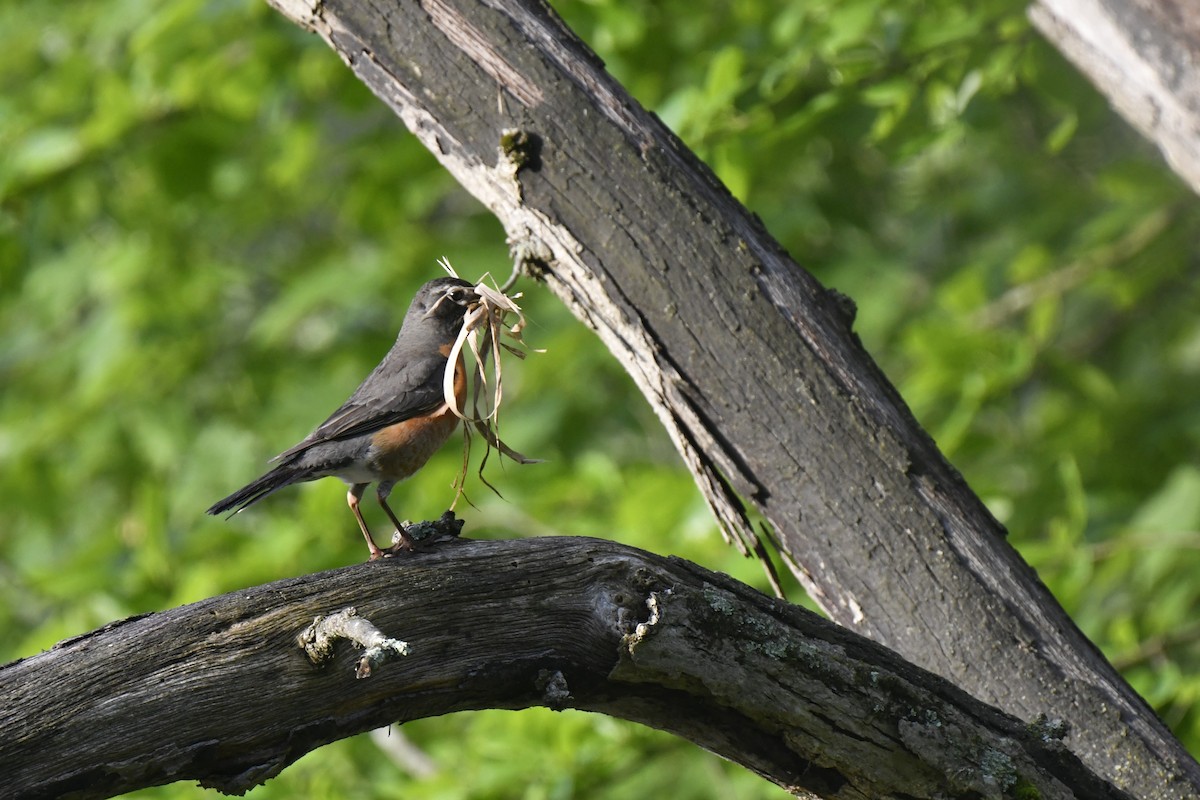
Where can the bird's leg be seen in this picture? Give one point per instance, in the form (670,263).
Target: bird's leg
(382,492)
(352,498)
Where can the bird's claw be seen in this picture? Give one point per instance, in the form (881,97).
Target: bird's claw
(411,537)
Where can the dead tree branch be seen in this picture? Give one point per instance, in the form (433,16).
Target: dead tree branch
(1144,56)
(221,692)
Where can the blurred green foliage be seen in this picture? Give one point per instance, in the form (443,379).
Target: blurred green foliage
(209,231)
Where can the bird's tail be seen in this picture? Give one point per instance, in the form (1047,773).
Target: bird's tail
(283,475)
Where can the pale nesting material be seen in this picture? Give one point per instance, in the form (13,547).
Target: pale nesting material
(484,331)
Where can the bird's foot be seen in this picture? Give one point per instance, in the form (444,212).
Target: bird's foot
(401,542)
(414,536)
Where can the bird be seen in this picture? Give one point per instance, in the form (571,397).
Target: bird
(393,422)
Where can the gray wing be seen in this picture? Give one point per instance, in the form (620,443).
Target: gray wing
(386,397)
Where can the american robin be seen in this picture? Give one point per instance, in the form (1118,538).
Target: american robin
(392,423)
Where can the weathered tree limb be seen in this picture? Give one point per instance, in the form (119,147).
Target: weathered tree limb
(221,691)
(749,362)
(1144,56)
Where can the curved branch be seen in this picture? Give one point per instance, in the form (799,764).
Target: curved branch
(221,692)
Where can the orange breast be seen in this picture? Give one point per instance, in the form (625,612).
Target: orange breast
(399,450)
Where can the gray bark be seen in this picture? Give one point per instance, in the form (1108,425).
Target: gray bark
(222,692)
(1144,56)
(748,361)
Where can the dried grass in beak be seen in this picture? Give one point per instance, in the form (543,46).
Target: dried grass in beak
(486,332)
